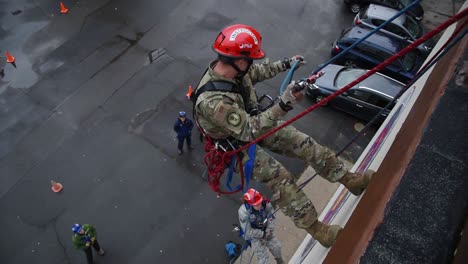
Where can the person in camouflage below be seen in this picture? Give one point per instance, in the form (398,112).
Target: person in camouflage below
(225,107)
(257,223)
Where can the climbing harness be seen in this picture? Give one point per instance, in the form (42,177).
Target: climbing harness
(217,159)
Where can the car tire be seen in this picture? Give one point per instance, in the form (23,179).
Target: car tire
(319,98)
(350,64)
(355,8)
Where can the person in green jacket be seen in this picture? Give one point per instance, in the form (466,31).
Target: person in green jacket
(84,236)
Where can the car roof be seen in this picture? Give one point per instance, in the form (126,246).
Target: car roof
(390,44)
(377,82)
(385,13)
(382,84)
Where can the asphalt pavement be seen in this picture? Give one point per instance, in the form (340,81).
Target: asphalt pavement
(91,105)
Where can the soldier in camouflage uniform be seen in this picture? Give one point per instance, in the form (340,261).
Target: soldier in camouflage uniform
(258,223)
(230,114)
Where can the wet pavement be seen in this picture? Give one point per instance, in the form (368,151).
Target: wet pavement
(91,105)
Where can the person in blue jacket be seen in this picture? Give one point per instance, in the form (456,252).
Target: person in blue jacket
(183,127)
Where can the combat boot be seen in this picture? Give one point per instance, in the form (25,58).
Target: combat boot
(323,233)
(279,261)
(355,182)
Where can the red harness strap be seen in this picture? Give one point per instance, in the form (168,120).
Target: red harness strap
(216,161)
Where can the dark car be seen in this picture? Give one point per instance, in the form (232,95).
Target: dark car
(365,100)
(374,50)
(403,27)
(417,12)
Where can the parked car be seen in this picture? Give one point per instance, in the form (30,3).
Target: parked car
(403,27)
(365,100)
(417,12)
(374,50)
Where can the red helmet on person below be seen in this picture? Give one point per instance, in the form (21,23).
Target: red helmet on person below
(253,197)
(239,41)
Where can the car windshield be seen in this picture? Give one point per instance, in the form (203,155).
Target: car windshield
(413,27)
(409,60)
(347,75)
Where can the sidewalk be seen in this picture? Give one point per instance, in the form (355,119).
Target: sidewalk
(436,12)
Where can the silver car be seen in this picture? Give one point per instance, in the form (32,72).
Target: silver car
(403,27)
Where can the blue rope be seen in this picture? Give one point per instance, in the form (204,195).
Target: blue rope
(288,78)
(249,166)
(400,93)
(229,175)
(339,55)
(248,170)
(423,70)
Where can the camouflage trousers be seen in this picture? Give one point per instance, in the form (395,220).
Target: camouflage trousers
(261,246)
(292,143)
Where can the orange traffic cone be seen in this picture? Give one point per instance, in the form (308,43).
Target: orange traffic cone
(56,186)
(63,9)
(10,59)
(190,92)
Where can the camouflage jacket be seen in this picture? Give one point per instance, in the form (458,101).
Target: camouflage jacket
(223,114)
(84,241)
(252,221)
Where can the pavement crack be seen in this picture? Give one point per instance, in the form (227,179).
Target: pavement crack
(120,87)
(38,226)
(85,18)
(131,42)
(42,9)
(59,241)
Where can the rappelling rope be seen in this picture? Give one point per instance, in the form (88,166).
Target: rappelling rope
(379,67)
(440,53)
(213,177)
(216,161)
(366,75)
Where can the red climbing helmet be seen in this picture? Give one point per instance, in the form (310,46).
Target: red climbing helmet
(239,41)
(253,197)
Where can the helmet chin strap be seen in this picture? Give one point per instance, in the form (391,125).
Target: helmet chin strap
(241,73)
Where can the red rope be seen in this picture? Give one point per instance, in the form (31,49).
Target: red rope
(366,75)
(455,33)
(217,160)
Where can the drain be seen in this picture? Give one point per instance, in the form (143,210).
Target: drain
(156,54)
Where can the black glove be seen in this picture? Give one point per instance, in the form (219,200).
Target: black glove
(289,62)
